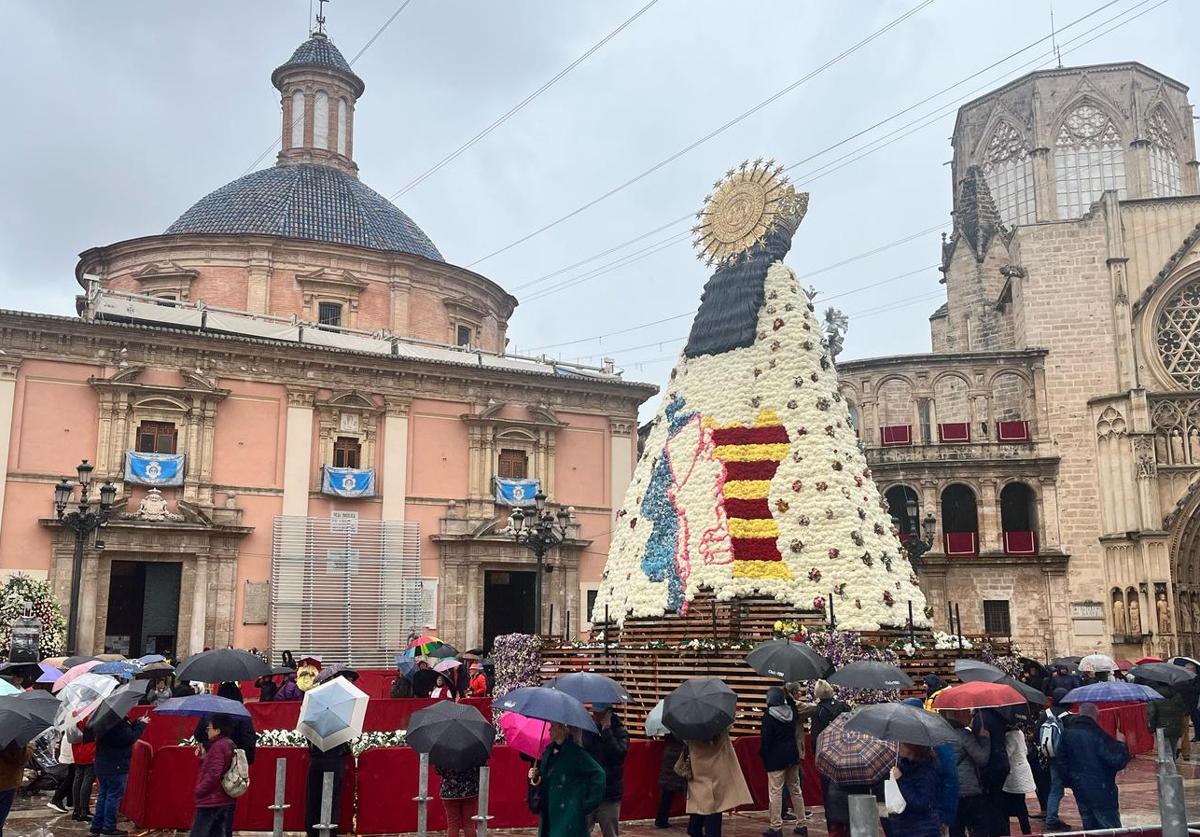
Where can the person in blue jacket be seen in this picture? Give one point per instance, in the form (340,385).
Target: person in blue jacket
(916,773)
(1090,759)
(947,767)
(114,752)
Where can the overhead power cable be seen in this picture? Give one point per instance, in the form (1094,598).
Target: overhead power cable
(714,133)
(511,112)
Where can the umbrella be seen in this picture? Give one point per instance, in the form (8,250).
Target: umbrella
(1111,691)
(978,695)
(654,721)
(444,651)
(525,735)
(1072,663)
(447,665)
(49,673)
(25,716)
(787,660)
(897,722)
(124,669)
(73,672)
(7,688)
(971,671)
(332,713)
(147,659)
(71,662)
(154,670)
(1175,660)
(199,706)
(221,665)
(81,696)
(1162,673)
(1097,662)
(548,705)
(699,709)
(455,735)
(20,669)
(1123,664)
(113,709)
(1030,694)
(423,646)
(853,758)
(588,687)
(870,674)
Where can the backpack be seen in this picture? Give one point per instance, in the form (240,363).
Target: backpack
(236,780)
(1049,735)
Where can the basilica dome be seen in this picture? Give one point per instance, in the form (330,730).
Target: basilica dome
(307,201)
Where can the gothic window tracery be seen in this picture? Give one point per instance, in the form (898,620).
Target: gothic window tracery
(1089,159)
(1009,173)
(1177,338)
(1164,162)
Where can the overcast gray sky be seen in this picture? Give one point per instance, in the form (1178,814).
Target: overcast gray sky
(128,112)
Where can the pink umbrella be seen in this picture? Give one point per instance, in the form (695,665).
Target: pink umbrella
(72,673)
(447,665)
(525,735)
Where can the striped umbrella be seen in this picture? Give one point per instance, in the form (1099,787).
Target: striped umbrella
(853,758)
(1111,691)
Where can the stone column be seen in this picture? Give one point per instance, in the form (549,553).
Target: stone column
(989,515)
(297,464)
(1046,202)
(395,458)
(8,396)
(1048,517)
(621,463)
(199,604)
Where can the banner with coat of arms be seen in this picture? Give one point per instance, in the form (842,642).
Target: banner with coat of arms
(515,492)
(348,482)
(154,468)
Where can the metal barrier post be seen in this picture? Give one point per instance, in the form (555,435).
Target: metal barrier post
(280,806)
(864,816)
(326,825)
(422,798)
(1170,790)
(482,817)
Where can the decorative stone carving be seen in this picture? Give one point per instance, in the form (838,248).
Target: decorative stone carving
(1144,458)
(1111,423)
(1135,615)
(1120,625)
(153,507)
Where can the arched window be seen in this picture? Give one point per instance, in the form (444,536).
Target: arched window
(905,511)
(321,121)
(960,520)
(1177,334)
(341,127)
(1089,159)
(1164,162)
(1018,519)
(297,134)
(1009,173)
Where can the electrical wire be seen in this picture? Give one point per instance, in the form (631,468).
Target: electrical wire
(421,178)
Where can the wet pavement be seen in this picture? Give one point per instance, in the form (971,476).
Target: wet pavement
(1139,806)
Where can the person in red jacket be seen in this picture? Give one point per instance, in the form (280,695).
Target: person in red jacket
(214,807)
(479,686)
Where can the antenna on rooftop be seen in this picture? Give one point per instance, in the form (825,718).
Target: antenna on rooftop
(321,17)
(1053,36)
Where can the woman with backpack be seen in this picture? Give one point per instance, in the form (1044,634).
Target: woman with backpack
(214,807)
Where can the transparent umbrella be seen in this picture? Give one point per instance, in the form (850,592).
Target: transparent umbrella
(332,713)
(79,698)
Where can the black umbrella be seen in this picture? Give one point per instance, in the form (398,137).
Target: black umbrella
(455,735)
(972,671)
(25,716)
(221,665)
(113,709)
(547,705)
(898,722)
(1072,663)
(1030,694)
(699,709)
(870,674)
(1168,673)
(20,670)
(71,662)
(589,687)
(787,660)
(444,650)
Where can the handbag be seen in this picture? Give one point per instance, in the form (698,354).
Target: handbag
(683,765)
(893,800)
(236,780)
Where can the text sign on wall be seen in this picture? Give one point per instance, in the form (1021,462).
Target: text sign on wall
(1087,610)
(343,521)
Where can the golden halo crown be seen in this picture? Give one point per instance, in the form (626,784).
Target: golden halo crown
(745,205)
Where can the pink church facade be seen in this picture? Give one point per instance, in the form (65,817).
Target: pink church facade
(338,404)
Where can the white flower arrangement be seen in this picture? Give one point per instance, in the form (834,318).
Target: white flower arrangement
(944,641)
(830,525)
(292,738)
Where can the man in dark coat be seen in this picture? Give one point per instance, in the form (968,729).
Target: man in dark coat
(114,751)
(321,762)
(1062,679)
(424,680)
(1090,760)
(993,728)
(609,749)
(669,782)
(780,754)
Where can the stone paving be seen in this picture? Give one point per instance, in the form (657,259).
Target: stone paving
(1139,806)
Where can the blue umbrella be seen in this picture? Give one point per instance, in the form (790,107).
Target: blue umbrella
(198,706)
(589,687)
(124,669)
(49,673)
(150,658)
(548,705)
(332,713)
(1111,691)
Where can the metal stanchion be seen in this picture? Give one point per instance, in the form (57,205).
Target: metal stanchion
(1170,790)
(864,815)
(327,823)
(280,806)
(422,798)
(482,817)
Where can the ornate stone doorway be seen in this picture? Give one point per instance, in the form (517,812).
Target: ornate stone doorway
(143,608)
(507,604)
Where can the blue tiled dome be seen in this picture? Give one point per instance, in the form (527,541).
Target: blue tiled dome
(310,201)
(318,51)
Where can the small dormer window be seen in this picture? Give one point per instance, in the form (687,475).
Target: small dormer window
(463,335)
(329,314)
(156,437)
(347,452)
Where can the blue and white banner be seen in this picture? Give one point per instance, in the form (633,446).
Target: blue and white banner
(153,468)
(348,482)
(515,492)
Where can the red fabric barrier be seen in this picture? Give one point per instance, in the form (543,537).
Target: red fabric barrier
(1020,543)
(895,434)
(746,748)
(1012,431)
(133,804)
(954,432)
(961,543)
(1131,720)
(164,730)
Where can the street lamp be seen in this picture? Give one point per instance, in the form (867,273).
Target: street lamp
(544,530)
(83,520)
(918,546)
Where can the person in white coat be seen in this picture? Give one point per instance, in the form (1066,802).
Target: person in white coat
(1020,778)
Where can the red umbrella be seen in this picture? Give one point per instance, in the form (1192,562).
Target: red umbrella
(1144,660)
(1124,665)
(978,695)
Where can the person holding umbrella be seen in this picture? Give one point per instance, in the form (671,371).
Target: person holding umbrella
(214,807)
(1167,714)
(781,757)
(1091,759)
(114,751)
(916,775)
(970,754)
(669,782)
(608,747)
(571,785)
(425,679)
(458,740)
